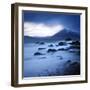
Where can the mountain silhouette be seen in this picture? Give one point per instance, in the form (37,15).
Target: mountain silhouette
(62,35)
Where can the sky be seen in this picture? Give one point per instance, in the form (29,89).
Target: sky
(44,24)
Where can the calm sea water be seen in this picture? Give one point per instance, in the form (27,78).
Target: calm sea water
(63,62)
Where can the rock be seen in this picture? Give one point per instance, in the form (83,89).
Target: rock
(51,45)
(42,43)
(62,49)
(38,53)
(69,61)
(57,45)
(51,50)
(74,47)
(75,43)
(72,69)
(41,48)
(61,43)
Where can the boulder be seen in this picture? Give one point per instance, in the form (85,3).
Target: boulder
(75,43)
(51,45)
(61,43)
(51,50)
(41,48)
(38,53)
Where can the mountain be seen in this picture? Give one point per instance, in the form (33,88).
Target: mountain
(62,35)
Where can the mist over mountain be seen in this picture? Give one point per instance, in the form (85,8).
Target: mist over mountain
(62,35)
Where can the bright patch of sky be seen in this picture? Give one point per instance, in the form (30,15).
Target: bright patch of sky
(41,30)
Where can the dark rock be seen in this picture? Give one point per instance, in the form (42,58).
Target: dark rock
(74,47)
(42,43)
(38,53)
(62,49)
(41,48)
(75,43)
(57,45)
(61,43)
(69,61)
(76,52)
(51,50)
(72,69)
(51,45)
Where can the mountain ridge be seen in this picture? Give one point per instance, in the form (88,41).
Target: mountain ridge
(62,35)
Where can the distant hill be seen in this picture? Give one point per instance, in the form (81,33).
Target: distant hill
(62,35)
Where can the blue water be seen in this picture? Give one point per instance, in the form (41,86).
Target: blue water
(58,63)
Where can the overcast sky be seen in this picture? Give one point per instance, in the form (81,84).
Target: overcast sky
(43,24)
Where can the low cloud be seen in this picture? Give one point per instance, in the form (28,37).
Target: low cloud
(41,29)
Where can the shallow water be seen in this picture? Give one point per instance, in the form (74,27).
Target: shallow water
(48,64)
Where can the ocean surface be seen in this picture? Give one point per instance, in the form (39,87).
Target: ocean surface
(51,59)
